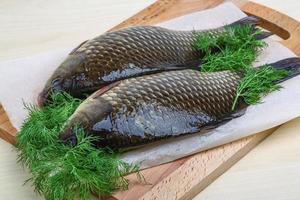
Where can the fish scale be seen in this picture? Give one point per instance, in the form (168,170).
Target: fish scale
(137,40)
(144,109)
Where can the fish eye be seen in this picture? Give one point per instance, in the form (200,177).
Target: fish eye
(68,84)
(55,82)
(56,85)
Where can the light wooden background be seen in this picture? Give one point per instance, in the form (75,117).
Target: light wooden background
(270,171)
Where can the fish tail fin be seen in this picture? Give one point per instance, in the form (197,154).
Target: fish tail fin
(263,35)
(291,65)
(252,21)
(249,20)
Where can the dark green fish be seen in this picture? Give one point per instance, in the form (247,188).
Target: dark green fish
(142,110)
(126,53)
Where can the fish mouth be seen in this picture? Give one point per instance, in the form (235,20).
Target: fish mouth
(45,96)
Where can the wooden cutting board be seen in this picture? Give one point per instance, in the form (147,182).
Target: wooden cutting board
(184,178)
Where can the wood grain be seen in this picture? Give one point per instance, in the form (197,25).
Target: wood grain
(7,131)
(184,177)
(269,172)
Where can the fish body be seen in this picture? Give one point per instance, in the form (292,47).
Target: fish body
(126,53)
(141,110)
(145,109)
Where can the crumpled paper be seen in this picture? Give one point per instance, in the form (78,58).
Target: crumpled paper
(21,80)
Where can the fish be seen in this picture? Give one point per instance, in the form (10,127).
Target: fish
(134,112)
(126,53)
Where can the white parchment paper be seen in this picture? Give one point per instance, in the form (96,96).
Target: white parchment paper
(21,80)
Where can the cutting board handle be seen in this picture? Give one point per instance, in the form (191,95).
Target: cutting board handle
(278,23)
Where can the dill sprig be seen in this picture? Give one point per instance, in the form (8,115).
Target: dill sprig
(257,83)
(62,172)
(236,49)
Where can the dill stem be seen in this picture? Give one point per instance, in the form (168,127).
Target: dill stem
(235,101)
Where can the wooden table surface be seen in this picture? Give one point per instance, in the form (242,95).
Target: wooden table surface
(270,171)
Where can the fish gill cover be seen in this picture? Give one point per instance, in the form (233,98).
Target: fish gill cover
(63,172)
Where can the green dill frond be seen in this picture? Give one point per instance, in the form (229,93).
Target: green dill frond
(228,59)
(258,82)
(62,172)
(234,49)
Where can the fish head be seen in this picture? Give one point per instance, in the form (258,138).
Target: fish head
(90,113)
(64,78)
